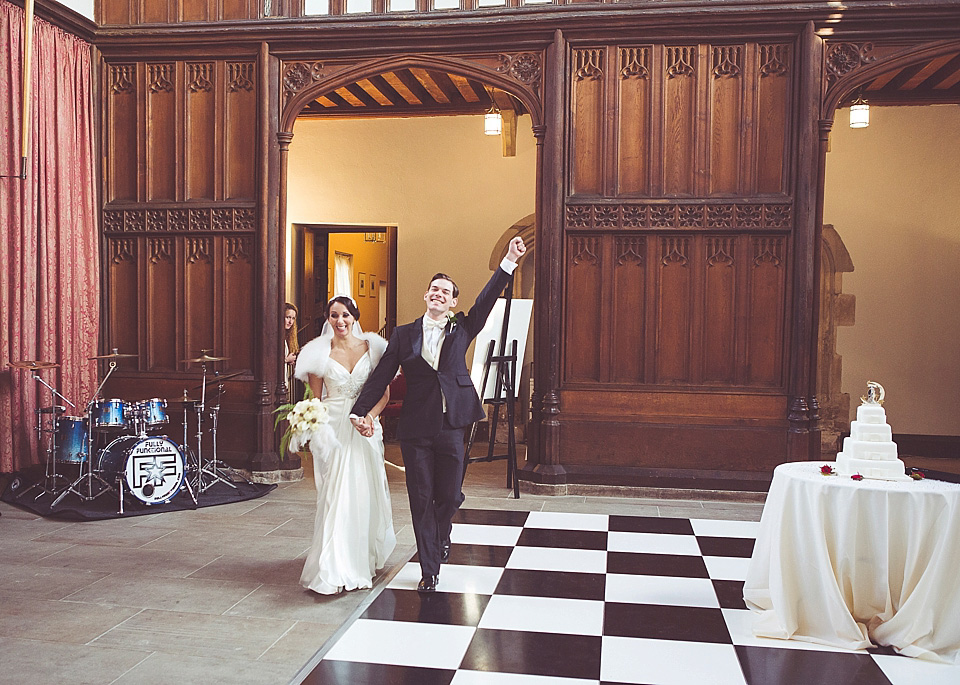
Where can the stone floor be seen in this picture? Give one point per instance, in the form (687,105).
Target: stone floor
(211,596)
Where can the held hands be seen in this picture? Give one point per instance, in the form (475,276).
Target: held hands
(364,426)
(517,248)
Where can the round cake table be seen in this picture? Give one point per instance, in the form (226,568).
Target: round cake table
(849,563)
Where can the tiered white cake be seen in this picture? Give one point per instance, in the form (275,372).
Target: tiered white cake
(870,449)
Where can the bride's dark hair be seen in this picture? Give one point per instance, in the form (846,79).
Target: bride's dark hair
(346,302)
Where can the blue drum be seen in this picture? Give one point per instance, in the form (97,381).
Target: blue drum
(72,444)
(110,414)
(154,412)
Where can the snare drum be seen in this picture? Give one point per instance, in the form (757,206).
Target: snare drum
(110,414)
(71,435)
(151,467)
(154,412)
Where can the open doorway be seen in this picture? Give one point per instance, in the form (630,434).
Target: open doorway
(358,261)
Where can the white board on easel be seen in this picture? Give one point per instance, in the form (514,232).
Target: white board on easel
(517,329)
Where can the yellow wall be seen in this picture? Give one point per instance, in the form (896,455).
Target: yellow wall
(892,194)
(445,185)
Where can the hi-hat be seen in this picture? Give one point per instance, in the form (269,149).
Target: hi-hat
(186,399)
(203,358)
(31,364)
(218,379)
(113,355)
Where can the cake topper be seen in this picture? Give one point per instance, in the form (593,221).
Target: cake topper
(874,393)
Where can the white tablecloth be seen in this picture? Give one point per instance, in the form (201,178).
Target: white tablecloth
(843,563)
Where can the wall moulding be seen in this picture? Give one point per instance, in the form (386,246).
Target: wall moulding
(180,220)
(750,216)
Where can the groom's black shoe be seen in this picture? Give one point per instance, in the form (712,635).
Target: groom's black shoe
(444,551)
(428,584)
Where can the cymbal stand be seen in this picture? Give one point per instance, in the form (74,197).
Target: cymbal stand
(213,468)
(74,487)
(49,484)
(186,449)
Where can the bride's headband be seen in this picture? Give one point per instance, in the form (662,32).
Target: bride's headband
(347,297)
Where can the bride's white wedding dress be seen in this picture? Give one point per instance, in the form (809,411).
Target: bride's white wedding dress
(353,533)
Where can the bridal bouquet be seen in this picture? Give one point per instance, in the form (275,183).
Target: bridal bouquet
(309,421)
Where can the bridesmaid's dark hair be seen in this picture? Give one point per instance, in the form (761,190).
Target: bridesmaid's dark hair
(346,302)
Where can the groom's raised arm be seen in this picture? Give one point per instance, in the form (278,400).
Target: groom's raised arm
(378,381)
(477,316)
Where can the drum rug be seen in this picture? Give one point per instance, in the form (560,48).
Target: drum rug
(24,489)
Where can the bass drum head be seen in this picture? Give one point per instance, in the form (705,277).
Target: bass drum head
(151,467)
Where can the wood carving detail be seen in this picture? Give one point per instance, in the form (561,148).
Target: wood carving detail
(525,67)
(680,61)
(160,77)
(633,63)
(216,219)
(674,251)
(200,76)
(720,251)
(161,249)
(630,248)
(298,75)
(678,216)
(774,60)
(198,249)
(121,78)
(240,75)
(585,249)
(767,249)
(123,249)
(844,58)
(727,61)
(239,248)
(588,64)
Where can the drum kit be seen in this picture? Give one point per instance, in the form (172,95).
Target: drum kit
(116,445)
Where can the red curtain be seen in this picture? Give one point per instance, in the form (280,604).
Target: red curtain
(49,258)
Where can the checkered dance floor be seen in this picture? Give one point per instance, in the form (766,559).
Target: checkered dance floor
(570,599)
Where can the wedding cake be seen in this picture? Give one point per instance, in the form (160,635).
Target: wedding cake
(870,449)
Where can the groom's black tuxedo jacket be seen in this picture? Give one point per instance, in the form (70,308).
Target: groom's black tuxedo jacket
(422,412)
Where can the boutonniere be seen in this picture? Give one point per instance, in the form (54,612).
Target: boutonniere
(827,470)
(451,322)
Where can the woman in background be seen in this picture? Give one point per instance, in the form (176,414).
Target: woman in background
(291,348)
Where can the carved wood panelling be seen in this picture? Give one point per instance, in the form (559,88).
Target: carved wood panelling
(726,120)
(686,216)
(680,120)
(585,308)
(766,286)
(190,126)
(588,106)
(677,310)
(170,295)
(179,220)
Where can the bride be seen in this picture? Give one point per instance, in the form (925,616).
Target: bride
(353,532)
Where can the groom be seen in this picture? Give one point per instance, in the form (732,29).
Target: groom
(440,403)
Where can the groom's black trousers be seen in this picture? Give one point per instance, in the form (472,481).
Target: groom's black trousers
(434,475)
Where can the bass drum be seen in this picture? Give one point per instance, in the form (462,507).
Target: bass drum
(151,467)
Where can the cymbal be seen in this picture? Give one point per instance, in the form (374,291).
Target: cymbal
(205,358)
(114,355)
(31,364)
(186,399)
(218,379)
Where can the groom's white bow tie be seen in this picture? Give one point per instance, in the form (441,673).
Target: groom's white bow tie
(429,323)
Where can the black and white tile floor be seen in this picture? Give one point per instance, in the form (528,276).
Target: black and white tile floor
(572,599)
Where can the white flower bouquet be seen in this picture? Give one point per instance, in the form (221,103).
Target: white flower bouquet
(309,421)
